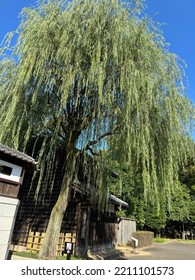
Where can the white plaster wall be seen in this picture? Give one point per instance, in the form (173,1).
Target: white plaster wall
(8,211)
(16,172)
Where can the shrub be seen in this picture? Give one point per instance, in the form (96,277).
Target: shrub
(144,238)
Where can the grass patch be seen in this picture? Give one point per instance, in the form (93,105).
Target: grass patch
(24,254)
(160,240)
(186,240)
(164,240)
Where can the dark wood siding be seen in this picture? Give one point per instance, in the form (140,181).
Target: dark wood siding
(34,214)
(8,189)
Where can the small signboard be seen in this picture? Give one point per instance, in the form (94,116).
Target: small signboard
(68,249)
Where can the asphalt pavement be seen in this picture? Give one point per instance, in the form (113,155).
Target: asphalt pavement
(174,250)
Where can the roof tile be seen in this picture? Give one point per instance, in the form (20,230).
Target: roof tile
(17,154)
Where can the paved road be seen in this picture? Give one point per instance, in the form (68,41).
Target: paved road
(167,251)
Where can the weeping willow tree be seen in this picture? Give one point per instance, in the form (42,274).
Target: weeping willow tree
(88,75)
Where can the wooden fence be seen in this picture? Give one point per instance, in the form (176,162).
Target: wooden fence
(126,227)
(35,240)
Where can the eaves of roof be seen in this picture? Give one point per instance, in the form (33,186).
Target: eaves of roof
(118,201)
(17,154)
(83,188)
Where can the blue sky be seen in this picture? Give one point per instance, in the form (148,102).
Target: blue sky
(179,31)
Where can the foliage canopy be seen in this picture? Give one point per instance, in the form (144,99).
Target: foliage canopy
(86,71)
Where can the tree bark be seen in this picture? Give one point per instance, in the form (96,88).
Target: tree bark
(48,248)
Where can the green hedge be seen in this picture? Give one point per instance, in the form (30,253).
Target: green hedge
(144,238)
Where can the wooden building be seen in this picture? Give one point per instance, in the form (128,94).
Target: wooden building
(13,165)
(83,225)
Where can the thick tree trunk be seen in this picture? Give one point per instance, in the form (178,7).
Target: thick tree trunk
(48,248)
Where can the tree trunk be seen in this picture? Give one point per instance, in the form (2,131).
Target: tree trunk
(48,248)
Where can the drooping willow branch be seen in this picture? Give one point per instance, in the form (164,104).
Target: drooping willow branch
(78,69)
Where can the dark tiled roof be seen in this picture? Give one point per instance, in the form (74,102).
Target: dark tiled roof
(17,154)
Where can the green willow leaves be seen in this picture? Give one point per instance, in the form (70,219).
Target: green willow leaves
(96,71)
